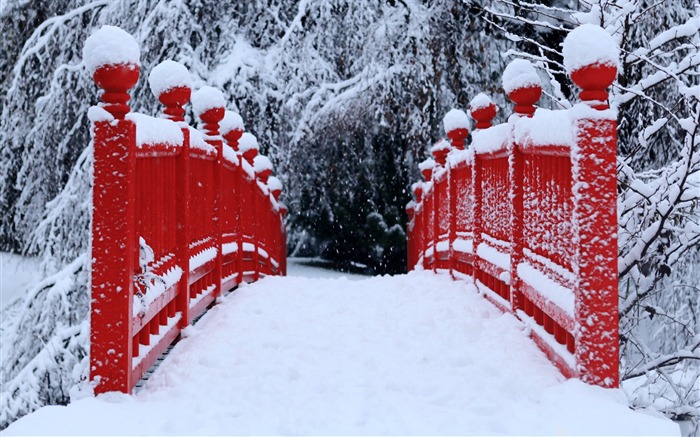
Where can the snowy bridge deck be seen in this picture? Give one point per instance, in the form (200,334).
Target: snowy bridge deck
(411,354)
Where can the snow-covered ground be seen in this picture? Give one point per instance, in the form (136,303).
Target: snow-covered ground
(410,354)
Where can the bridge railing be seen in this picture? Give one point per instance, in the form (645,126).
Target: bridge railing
(531,207)
(180,215)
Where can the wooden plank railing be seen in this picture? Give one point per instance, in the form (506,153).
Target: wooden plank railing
(531,207)
(177,213)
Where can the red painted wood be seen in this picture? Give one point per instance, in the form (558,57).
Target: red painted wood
(548,208)
(153,192)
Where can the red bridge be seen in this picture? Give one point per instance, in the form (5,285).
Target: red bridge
(527,212)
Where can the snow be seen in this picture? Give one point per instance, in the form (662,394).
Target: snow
(98,113)
(428,163)
(589,44)
(519,74)
(464,246)
(553,291)
(247,142)
(17,274)
(443,144)
(155,288)
(229,154)
(262,163)
(207,98)
(274,183)
(198,142)
(168,75)
(455,119)
(492,255)
(227,248)
(431,356)
(110,45)
(231,121)
(199,259)
(151,130)
(539,130)
(492,139)
(456,157)
(479,101)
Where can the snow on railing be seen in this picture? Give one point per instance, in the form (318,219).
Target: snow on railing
(179,215)
(530,208)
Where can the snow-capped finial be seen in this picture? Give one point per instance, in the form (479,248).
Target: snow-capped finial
(248,146)
(171,83)
(591,58)
(232,128)
(426,168)
(410,210)
(208,104)
(483,110)
(456,123)
(110,46)
(275,186)
(112,57)
(263,168)
(522,84)
(417,189)
(440,150)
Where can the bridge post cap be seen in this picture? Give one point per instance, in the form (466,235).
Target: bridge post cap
(263,167)
(417,189)
(482,110)
(426,168)
(208,104)
(440,150)
(231,128)
(248,146)
(522,84)
(591,58)
(410,210)
(275,186)
(111,56)
(171,84)
(456,124)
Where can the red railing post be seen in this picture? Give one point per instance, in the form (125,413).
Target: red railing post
(595,208)
(456,124)
(426,169)
(249,155)
(524,99)
(113,237)
(263,169)
(208,104)
(232,129)
(174,96)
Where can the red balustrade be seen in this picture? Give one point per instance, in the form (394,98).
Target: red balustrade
(174,210)
(531,208)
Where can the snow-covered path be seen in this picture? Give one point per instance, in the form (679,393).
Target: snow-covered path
(411,354)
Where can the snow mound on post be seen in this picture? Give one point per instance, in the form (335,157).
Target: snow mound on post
(110,45)
(168,75)
(455,119)
(443,144)
(428,163)
(519,74)
(247,142)
(151,130)
(231,121)
(207,98)
(479,101)
(262,163)
(274,183)
(587,45)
